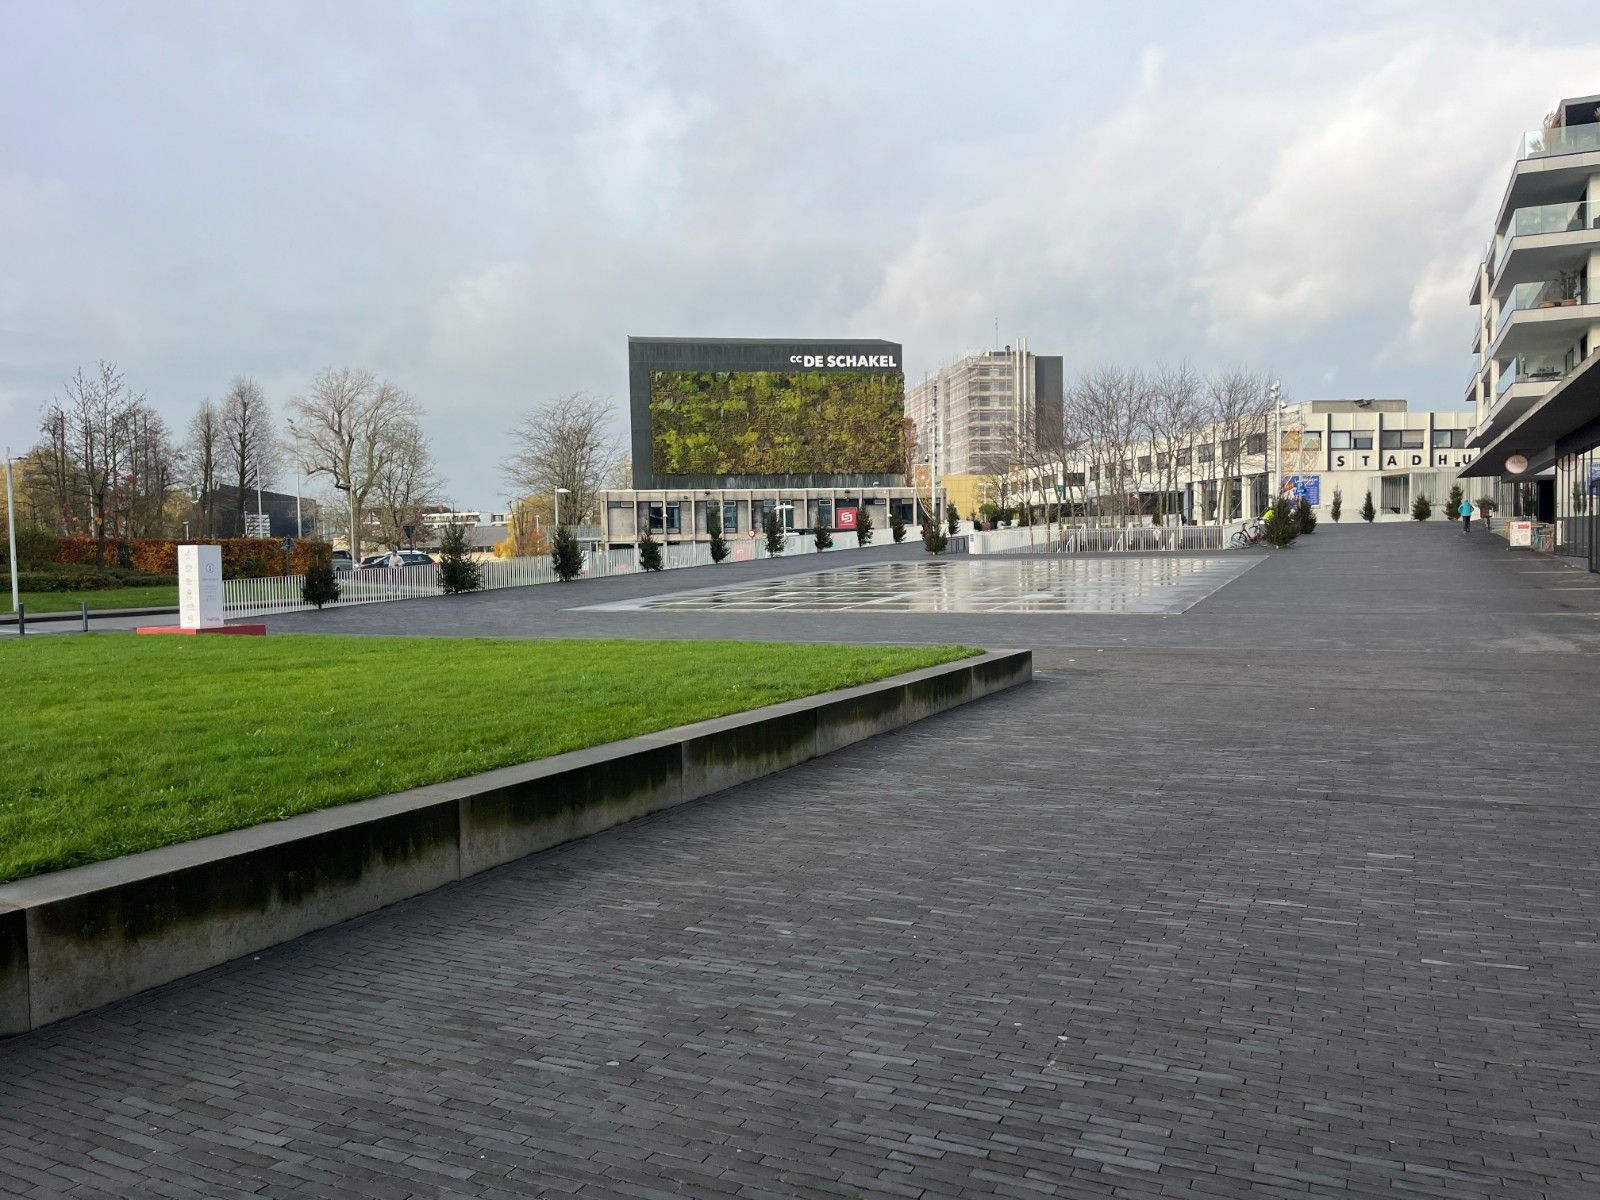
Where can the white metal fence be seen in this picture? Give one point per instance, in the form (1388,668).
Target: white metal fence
(258,597)
(1098,539)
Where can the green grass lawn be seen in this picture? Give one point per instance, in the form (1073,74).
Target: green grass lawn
(144,597)
(112,743)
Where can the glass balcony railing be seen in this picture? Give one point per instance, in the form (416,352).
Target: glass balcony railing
(1547,218)
(1574,139)
(1530,369)
(1548,293)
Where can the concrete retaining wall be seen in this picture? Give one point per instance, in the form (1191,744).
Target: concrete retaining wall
(76,939)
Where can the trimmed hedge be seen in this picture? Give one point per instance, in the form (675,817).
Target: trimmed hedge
(93,580)
(242,558)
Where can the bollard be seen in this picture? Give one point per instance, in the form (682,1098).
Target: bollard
(85,604)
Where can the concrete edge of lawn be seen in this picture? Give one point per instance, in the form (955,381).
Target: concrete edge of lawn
(73,940)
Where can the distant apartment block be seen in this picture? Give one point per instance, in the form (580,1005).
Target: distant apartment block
(994,409)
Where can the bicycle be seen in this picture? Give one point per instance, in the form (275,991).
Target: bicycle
(1250,535)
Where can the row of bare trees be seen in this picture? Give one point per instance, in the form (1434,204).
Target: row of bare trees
(1127,433)
(107,465)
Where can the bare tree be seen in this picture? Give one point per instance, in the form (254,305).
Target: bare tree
(91,433)
(406,481)
(202,462)
(250,444)
(1238,411)
(347,427)
(144,485)
(565,443)
(1107,407)
(1172,421)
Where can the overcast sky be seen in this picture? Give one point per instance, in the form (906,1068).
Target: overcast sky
(482,201)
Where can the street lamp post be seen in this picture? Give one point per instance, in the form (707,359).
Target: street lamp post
(11,537)
(1275,398)
(560,492)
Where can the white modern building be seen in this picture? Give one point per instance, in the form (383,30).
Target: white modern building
(1327,448)
(1537,295)
(988,406)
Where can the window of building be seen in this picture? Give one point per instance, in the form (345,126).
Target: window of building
(673,525)
(657,519)
(1400,439)
(1144,464)
(1449,439)
(730,516)
(1339,439)
(1206,453)
(825,514)
(1256,443)
(1183,457)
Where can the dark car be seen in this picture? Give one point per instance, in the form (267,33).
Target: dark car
(408,558)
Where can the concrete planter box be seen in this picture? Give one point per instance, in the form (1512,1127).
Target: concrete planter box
(76,939)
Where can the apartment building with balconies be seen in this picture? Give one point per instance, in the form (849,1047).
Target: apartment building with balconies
(1537,288)
(992,410)
(1536,384)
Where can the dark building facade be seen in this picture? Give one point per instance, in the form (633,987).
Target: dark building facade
(266,514)
(750,413)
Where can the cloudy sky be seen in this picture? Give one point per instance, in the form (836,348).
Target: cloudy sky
(481,201)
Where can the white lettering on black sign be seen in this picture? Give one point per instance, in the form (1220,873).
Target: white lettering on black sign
(842,360)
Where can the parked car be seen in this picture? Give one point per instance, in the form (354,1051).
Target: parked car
(408,558)
(342,561)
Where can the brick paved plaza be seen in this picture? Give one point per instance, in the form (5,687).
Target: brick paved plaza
(1104,935)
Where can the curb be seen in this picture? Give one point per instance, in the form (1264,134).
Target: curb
(73,940)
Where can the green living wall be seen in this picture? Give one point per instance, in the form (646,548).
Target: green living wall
(776,423)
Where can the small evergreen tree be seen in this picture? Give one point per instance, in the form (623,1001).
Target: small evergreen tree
(952,518)
(1367,511)
(1281,526)
(1453,505)
(321,585)
(1305,515)
(1338,505)
(774,532)
(1421,509)
(1024,515)
(457,572)
(565,555)
(824,536)
(649,553)
(719,544)
(863,526)
(897,527)
(934,538)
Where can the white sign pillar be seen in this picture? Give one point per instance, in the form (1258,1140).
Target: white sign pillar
(200,587)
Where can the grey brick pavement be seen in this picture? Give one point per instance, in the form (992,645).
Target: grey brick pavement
(1092,938)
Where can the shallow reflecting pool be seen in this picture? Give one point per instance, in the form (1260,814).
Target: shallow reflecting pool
(1065,584)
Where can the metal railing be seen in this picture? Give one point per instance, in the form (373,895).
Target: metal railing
(1098,539)
(284,593)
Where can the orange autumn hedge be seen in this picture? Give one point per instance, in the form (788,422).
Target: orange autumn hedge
(242,558)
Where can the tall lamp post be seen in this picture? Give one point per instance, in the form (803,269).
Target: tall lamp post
(11,535)
(1275,398)
(560,492)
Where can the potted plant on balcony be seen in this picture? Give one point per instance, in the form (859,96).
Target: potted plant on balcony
(1571,285)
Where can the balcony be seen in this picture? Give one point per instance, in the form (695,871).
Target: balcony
(1565,291)
(1530,368)
(1574,217)
(1573,139)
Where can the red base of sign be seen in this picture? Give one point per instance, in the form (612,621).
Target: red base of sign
(244,630)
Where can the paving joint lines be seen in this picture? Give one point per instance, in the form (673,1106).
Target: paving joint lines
(1113,933)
